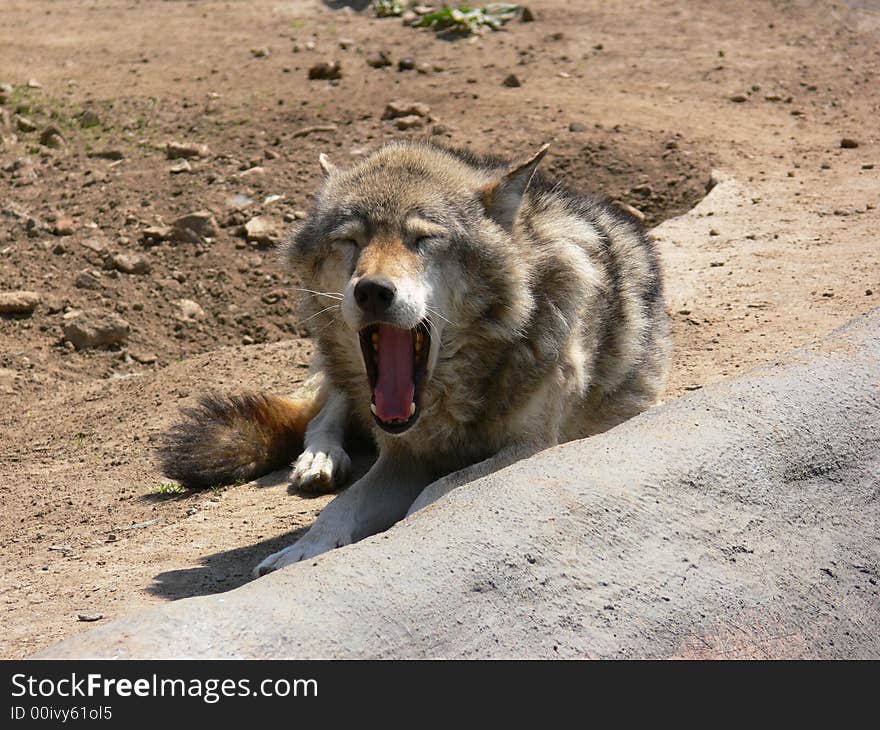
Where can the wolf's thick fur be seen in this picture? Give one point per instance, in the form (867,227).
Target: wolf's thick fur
(546,320)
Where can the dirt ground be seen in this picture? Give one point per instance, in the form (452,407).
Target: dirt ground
(640,100)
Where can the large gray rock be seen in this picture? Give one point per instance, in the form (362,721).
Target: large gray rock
(738,521)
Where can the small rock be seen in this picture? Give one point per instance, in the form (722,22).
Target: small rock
(109,154)
(848,143)
(186,150)
(19,302)
(156,234)
(577,127)
(90,616)
(130,263)
(400,108)
(144,358)
(407,63)
(190,311)
(326,70)
(34,84)
(194,227)
(87,280)
(263,52)
(527,16)
(633,211)
(379,59)
(52,137)
(738,98)
(88,119)
(511,81)
(346,43)
(262,230)
(424,68)
(409,122)
(409,17)
(23,124)
(96,328)
(64,226)
(179,167)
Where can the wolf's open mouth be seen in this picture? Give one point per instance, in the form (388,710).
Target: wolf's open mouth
(397,363)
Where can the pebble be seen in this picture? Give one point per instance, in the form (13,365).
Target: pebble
(527,15)
(848,143)
(130,263)
(144,358)
(263,52)
(155,234)
(90,617)
(194,227)
(262,230)
(511,81)
(109,154)
(88,119)
(179,167)
(407,63)
(64,226)
(87,280)
(577,127)
(346,43)
(19,302)
(52,137)
(401,108)
(409,122)
(326,70)
(633,211)
(738,98)
(23,124)
(378,59)
(96,328)
(186,150)
(189,310)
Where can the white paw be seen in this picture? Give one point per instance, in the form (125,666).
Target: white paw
(320,469)
(307,547)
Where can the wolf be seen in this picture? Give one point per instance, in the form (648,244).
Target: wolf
(467,311)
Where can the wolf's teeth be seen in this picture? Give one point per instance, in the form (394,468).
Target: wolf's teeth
(373,409)
(412,408)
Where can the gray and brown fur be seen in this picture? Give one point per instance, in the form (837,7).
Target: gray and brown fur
(547,306)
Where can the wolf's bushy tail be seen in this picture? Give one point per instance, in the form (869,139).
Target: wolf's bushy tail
(227,439)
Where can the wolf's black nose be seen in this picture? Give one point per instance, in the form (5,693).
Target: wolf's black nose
(374,294)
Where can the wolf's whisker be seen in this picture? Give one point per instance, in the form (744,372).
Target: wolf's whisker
(329,294)
(326,309)
(433,311)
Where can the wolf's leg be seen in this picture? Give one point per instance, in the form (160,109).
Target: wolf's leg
(507,456)
(323,465)
(370,505)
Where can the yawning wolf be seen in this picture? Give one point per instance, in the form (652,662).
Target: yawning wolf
(467,312)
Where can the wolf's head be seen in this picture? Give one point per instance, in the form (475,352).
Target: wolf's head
(411,247)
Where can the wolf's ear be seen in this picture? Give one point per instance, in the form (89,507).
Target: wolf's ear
(502,197)
(328,167)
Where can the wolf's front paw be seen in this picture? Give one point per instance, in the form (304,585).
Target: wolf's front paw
(320,469)
(303,550)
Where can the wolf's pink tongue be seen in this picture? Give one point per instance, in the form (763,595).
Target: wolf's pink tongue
(395,387)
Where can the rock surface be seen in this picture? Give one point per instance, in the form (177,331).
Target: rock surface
(96,328)
(736,521)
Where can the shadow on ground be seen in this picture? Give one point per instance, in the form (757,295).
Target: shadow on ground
(221,571)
